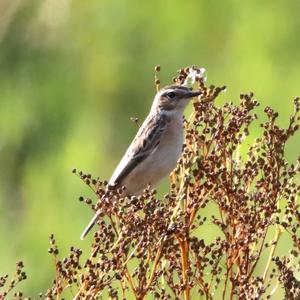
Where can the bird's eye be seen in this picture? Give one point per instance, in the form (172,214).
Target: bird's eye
(171,95)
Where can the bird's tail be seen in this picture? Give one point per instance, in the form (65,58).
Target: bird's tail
(90,226)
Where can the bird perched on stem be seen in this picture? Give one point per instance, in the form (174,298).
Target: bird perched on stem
(154,152)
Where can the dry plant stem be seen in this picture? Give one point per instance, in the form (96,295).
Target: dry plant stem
(152,275)
(201,283)
(131,284)
(159,254)
(184,249)
(56,278)
(155,264)
(272,251)
(259,253)
(113,225)
(10,288)
(123,288)
(82,288)
(232,291)
(226,281)
(132,252)
(127,273)
(212,279)
(162,241)
(156,81)
(77,296)
(192,217)
(153,248)
(277,284)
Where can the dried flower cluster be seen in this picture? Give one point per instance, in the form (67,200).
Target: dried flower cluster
(149,246)
(8,285)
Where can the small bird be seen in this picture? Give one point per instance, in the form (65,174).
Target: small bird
(157,146)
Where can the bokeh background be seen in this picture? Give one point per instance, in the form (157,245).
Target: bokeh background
(72,73)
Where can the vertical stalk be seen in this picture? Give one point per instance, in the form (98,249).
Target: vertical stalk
(184,249)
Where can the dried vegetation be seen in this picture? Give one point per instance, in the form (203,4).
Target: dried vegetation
(151,248)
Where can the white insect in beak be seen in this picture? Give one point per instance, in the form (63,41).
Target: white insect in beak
(192,77)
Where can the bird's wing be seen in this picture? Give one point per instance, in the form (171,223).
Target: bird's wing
(145,142)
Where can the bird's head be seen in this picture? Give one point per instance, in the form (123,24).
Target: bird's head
(173,98)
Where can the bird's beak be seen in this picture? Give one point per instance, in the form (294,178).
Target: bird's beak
(192,94)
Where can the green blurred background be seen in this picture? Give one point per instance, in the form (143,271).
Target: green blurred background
(72,73)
